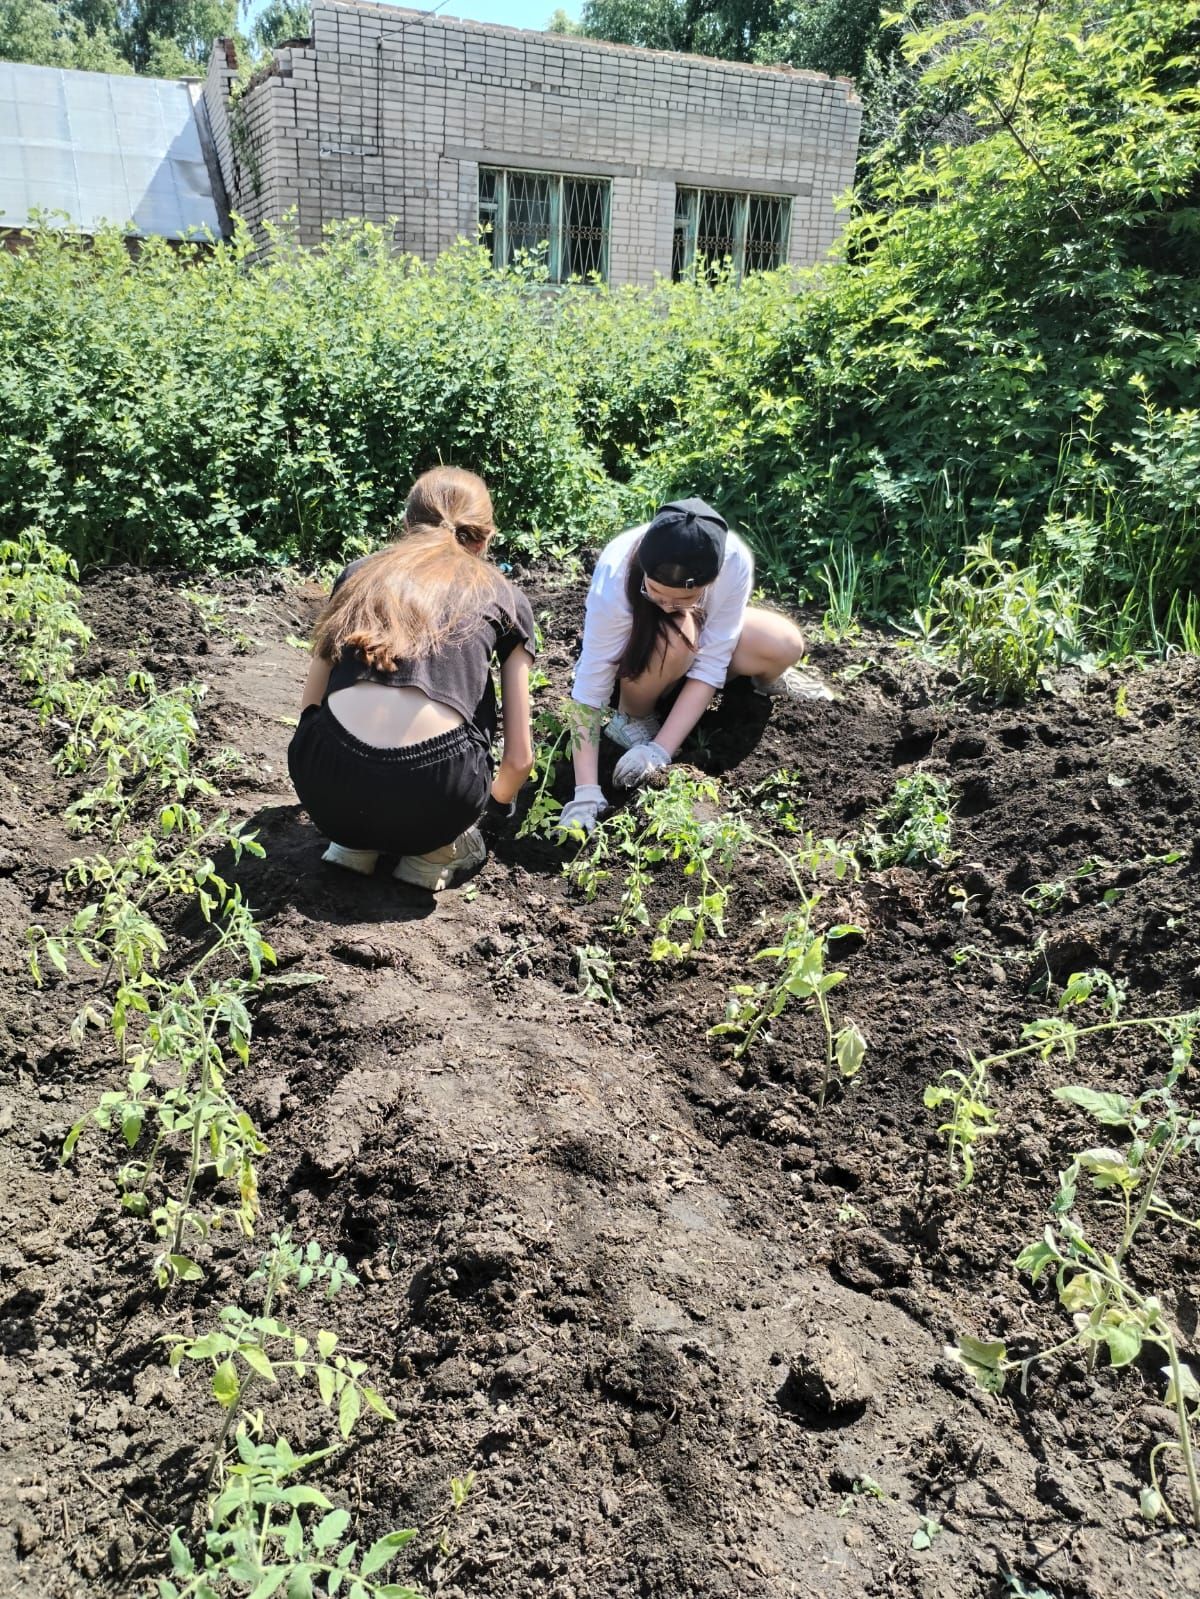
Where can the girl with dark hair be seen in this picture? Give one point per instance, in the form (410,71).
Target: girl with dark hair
(669,601)
(392,754)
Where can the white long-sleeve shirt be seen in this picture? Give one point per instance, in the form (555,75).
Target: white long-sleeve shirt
(609,618)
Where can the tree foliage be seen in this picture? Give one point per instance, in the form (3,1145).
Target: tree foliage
(53,33)
(857,39)
(1009,348)
(280,20)
(164,38)
(730,29)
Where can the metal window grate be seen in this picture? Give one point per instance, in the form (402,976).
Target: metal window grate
(585,228)
(489,208)
(767,225)
(719,227)
(530,220)
(718,230)
(547,220)
(683,247)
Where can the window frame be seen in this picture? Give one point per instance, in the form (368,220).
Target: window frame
(689,216)
(498,209)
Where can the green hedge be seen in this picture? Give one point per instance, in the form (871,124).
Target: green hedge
(196,408)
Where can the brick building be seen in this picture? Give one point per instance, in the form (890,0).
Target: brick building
(594,157)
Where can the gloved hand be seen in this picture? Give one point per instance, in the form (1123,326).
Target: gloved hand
(498,812)
(635,766)
(584,811)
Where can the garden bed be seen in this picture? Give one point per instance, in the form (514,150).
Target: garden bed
(686,1327)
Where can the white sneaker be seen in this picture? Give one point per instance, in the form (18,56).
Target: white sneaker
(354,860)
(629,731)
(794,684)
(440,867)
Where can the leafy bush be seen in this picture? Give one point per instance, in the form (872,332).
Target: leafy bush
(1008,625)
(1008,349)
(200,408)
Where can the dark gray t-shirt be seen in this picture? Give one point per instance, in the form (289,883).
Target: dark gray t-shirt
(459,674)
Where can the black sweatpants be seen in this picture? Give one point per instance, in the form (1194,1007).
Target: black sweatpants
(404,801)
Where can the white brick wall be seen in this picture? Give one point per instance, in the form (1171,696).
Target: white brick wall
(389,113)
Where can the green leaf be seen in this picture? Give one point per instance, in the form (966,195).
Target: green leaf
(302,1493)
(326,1343)
(182,1563)
(1112,1110)
(378,1404)
(383,1550)
(1188,1385)
(850,1048)
(272,1580)
(256,1358)
(348,1409)
(225,1385)
(293,1538)
(300,1584)
(983,1358)
(330,1530)
(1124,1340)
(1035,1258)
(1107,1168)
(71,1140)
(1082,1292)
(185,1269)
(926,1532)
(325,1381)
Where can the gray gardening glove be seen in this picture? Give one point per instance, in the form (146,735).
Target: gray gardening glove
(583,812)
(635,767)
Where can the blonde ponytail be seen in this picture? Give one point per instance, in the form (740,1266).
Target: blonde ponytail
(432,586)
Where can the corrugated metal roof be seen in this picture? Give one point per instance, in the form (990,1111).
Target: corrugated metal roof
(102,148)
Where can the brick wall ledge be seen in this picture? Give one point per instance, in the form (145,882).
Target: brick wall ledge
(402,15)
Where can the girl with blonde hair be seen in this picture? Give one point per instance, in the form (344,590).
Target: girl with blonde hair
(392,754)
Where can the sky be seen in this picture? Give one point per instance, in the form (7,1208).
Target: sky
(507,13)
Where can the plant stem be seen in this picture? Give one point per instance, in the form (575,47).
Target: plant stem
(1147,1198)
(1183,1423)
(197,1125)
(1084,1032)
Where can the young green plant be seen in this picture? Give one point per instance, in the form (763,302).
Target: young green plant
(800,974)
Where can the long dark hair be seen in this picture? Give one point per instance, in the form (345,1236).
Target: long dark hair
(652,630)
(409,599)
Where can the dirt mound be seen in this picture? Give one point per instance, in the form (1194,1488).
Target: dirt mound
(687,1328)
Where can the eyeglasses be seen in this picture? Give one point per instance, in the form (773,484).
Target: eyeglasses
(693,599)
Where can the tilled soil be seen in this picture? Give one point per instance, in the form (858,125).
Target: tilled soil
(686,1327)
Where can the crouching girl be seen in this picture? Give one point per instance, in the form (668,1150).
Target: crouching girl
(392,755)
(669,605)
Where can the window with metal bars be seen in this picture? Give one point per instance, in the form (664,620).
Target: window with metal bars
(718,230)
(546,219)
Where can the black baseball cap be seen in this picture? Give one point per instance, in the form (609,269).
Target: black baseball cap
(684,546)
